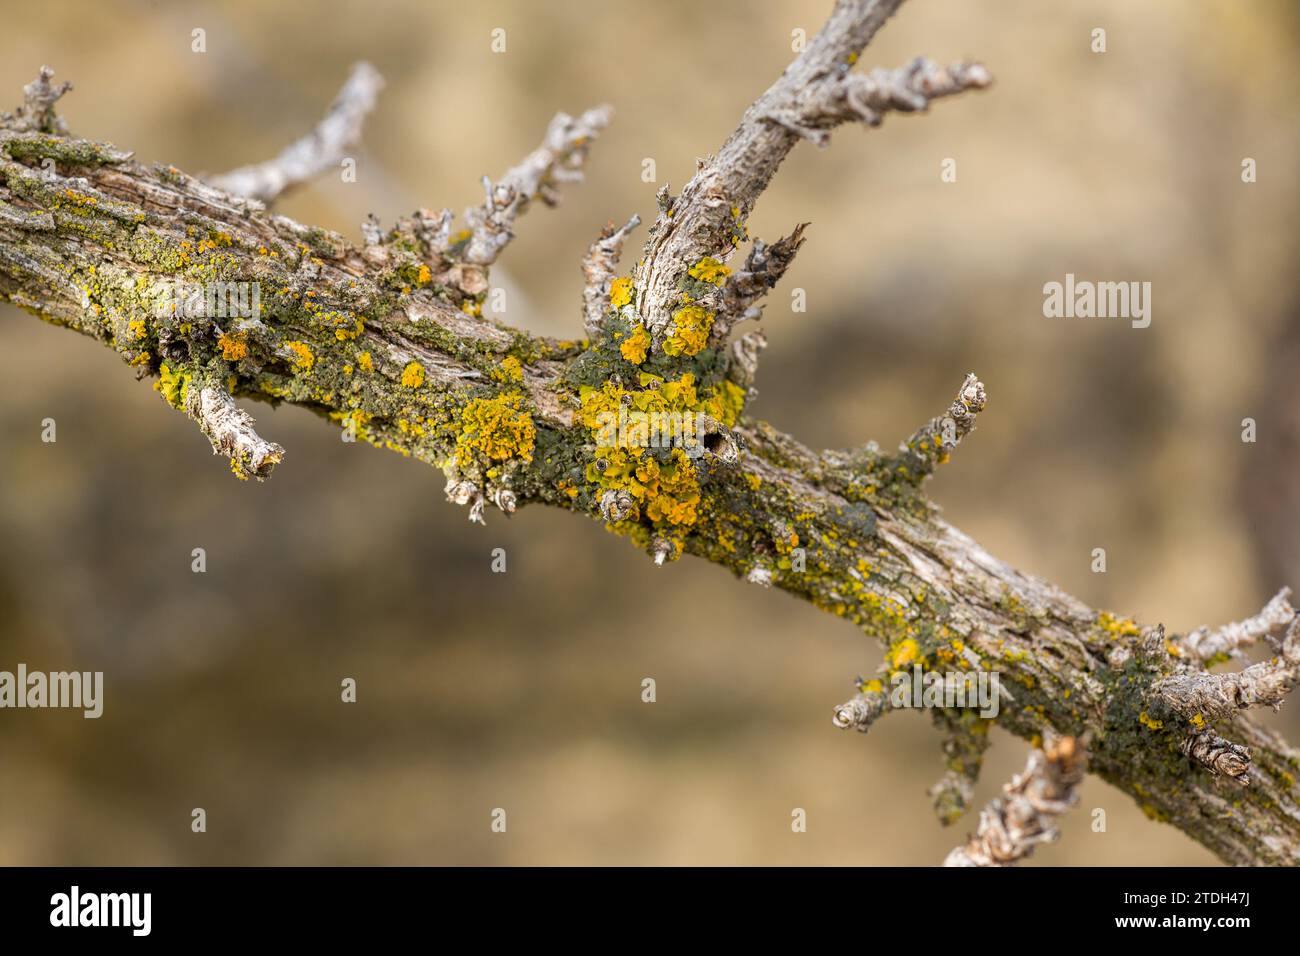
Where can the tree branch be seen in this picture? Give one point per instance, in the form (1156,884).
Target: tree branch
(1199,694)
(707,221)
(851,97)
(966,737)
(1012,825)
(1206,644)
(321,149)
(558,160)
(37,112)
(934,441)
(230,430)
(764,267)
(385,339)
(862,710)
(598,269)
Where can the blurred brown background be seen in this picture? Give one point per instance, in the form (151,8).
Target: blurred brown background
(522,690)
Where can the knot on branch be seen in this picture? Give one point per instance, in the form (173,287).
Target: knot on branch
(460,491)
(1219,756)
(618,505)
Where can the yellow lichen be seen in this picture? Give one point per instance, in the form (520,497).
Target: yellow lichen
(413,375)
(678,490)
(664,488)
(172,384)
(345,332)
(366,362)
(303,358)
(497,429)
(726,403)
(903,653)
(709,270)
(512,370)
(356,418)
(690,333)
(1146,720)
(1117,626)
(620,292)
(635,345)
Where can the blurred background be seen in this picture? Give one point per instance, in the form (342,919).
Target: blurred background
(522,690)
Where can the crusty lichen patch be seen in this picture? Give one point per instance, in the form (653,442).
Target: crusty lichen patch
(303,357)
(620,292)
(635,346)
(496,429)
(709,270)
(690,330)
(658,488)
(233,346)
(413,375)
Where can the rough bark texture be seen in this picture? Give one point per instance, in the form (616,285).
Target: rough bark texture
(1012,825)
(386,340)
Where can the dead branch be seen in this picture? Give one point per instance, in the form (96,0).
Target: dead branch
(321,149)
(1012,825)
(386,339)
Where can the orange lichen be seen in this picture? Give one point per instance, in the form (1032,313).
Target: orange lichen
(233,347)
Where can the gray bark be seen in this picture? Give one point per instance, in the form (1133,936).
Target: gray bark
(385,339)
